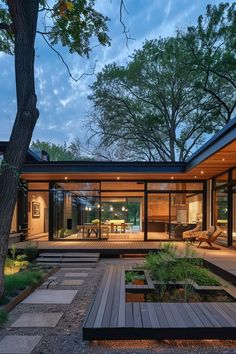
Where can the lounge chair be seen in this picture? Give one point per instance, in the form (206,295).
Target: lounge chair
(192,235)
(204,236)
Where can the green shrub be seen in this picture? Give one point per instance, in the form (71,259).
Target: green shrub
(130,276)
(64,233)
(168,266)
(3,317)
(21,280)
(31,253)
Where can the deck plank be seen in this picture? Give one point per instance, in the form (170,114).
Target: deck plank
(192,314)
(145,315)
(90,318)
(178,314)
(129,317)
(115,305)
(102,305)
(218,313)
(110,299)
(137,315)
(121,310)
(169,316)
(153,316)
(110,317)
(226,313)
(161,315)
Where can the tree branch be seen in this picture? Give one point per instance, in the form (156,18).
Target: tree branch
(76,79)
(125,29)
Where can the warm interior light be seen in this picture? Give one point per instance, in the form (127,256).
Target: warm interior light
(202,172)
(98,206)
(118,178)
(123,208)
(171,177)
(66,178)
(111,208)
(195,176)
(223,159)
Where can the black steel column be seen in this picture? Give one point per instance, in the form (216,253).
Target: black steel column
(22,210)
(51,207)
(204,206)
(145,212)
(230,211)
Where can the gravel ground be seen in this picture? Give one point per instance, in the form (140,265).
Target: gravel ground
(66,337)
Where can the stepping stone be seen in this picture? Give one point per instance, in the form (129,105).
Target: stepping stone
(18,344)
(40,319)
(48,296)
(72,282)
(78,275)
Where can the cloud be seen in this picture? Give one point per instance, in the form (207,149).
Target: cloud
(62,102)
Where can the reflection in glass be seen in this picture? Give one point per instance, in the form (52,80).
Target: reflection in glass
(221,212)
(171,214)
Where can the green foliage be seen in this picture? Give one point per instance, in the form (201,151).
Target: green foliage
(171,94)
(3,317)
(168,265)
(21,280)
(15,261)
(212,47)
(31,253)
(64,233)
(56,152)
(71,23)
(75,22)
(6,43)
(130,276)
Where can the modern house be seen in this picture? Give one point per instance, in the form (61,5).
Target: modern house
(80,200)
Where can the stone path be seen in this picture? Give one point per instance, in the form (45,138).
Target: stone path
(44,325)
(38,312)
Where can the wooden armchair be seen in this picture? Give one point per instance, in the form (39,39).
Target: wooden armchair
(191,235)
(204,237)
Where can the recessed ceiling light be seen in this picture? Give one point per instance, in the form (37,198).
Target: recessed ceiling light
(202,172)
(66,178)
(118,178)
(171,177)
(195,176)
(223,159)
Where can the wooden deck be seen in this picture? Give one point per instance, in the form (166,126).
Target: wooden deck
(110,317)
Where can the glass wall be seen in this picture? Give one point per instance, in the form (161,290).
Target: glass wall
(175,208)
(220,205)
(158,216)
(234,208)
(74,206)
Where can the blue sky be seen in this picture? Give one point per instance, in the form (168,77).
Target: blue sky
(63,104)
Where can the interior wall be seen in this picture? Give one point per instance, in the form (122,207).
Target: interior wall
(195,209)
(36,225)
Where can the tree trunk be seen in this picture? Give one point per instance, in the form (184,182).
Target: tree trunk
(24,15)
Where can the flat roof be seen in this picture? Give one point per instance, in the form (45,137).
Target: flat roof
(216,156)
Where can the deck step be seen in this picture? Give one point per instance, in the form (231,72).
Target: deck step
(69,265)
(68,259)
(69,254)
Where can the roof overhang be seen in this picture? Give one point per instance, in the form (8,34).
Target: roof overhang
(213,158)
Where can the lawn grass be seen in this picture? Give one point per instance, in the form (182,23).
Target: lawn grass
(20,280)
